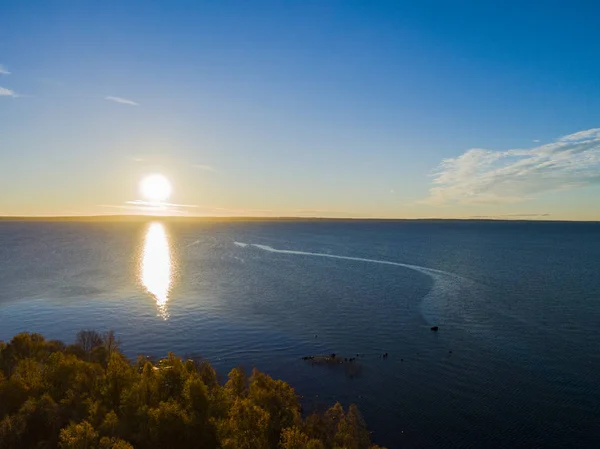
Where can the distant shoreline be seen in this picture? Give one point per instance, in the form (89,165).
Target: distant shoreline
(144,218)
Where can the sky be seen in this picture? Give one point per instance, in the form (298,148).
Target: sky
(367,109)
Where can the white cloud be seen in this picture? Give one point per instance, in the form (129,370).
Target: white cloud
(7,93)
(121,100)
(537,141)
(3,71)
(205,167)
(481,176)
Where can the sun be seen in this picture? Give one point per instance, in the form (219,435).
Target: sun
(155,188)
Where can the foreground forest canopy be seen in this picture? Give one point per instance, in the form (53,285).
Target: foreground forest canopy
(89,395)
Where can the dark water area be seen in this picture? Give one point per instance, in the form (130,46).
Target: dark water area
(515,362)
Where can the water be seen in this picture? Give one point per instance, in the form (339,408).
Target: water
(514,364)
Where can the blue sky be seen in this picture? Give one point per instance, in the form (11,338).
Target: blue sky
(317,108)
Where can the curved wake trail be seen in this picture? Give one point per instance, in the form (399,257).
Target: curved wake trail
(444,283)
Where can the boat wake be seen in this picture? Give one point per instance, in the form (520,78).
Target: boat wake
(444,291)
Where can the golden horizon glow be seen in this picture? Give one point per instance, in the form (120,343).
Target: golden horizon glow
(156,267)
(155,188)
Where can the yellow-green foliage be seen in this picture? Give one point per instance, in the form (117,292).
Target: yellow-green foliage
(89,395)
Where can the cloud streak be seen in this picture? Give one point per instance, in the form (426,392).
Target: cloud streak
(140,207)
(3,71)
(480,176)
(121,100)
(205,167)
(8,93)
(157,204)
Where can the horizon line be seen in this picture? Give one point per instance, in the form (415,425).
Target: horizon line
(143,217)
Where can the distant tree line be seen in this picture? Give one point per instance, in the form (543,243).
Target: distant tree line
(88,395)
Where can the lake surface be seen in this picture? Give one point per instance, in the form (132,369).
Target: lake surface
(515,363)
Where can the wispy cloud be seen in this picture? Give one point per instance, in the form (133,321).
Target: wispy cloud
(481,176)
(205,167)
(536,140)
(157,204)
(3,70)
(137,207)
(121,100)
(8,93)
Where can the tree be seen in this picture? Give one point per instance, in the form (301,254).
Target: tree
(111,342)
(200,428)
(246,428)
(22,346)
(30,372)
(11,431)
(119,377)
(278,399)
(293,438)
(78,436)
(237,385)
(88,340)
(208,375)
(110,424)
(13,393)
(89,395)
(315,427)
(168,425)
(42,420)
(196,397)
(356,428)
(172,376)
(114,443)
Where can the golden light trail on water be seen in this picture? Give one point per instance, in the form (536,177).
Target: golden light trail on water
(156,272)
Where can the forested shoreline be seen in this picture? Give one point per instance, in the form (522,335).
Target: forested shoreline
(89,395)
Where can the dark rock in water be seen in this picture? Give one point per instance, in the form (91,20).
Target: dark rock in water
(434,328)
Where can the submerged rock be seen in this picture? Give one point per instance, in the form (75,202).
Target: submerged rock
(351,366)
(434,328)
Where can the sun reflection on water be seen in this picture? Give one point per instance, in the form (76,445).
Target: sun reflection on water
(156,267)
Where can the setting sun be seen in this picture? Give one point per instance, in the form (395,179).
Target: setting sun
(156,188)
